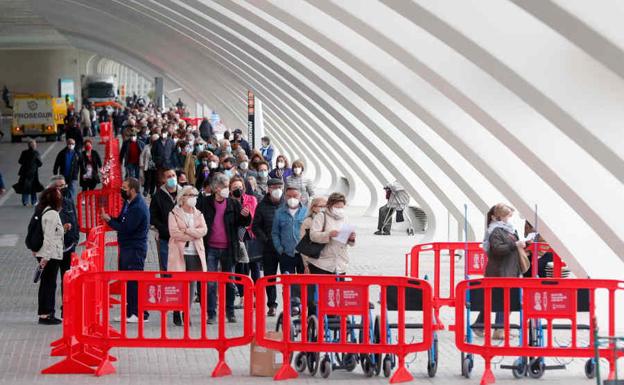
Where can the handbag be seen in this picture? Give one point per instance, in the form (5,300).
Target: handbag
(307,247)
(254,249)
(523,260)
(242,256)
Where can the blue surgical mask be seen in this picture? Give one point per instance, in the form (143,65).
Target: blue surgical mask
(228,173)
(172,182)
(263,174)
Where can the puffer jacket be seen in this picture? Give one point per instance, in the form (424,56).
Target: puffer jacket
(53,234)
(334,256)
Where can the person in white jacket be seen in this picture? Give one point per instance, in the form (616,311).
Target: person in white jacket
(51,253)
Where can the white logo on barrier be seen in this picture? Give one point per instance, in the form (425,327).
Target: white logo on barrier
(330,299)
(151,294)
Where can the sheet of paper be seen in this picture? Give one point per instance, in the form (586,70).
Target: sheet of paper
(344,233)
(531,237)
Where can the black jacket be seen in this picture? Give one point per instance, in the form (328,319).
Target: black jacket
(74,132)
(68,215)
(59,165)
(97,164)
(163,153)
(205,129)
(233,220)
(161,205)
(28,183)
(263,223)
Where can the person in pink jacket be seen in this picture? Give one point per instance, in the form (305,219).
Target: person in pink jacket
(246,235)
(187,228)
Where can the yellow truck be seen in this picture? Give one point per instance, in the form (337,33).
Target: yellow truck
(37,115)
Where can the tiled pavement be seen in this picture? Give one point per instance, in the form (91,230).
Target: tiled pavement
(24,345)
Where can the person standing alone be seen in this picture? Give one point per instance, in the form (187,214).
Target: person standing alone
(28,184)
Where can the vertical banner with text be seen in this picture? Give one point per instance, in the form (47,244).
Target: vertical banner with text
(251,110)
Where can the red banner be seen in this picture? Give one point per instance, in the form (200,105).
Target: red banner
(549,303)
(343,299)
(163,295)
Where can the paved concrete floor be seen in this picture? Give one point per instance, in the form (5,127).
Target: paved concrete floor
(24,344)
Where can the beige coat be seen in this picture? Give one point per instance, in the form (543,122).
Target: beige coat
(334,256)
(53,233)
(179,237)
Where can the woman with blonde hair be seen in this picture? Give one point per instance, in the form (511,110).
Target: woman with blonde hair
(187,228)
(501,243)
(316,206)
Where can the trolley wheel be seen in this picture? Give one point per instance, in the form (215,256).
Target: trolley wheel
(467,364)
(432,358)
(537,368)
(301,362)
(368,367)
(520,367)
(377,340)
(313,363)
(349,361)
(278,323)
(326,367)
(590,368)
(387,366)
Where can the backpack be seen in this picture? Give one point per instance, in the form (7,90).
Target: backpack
(34,237)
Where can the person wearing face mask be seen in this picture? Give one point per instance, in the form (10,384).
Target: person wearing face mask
(262,177)
(132,225)
(69,219)
(72,131)
(163,152)
(281,170)
(202,171)
(228,167)
(267,150)
(67,163)
(316,206)
(148,167)
(130,154)
(189,161)
(238,138)
(28,184)
(224,148)
(304,185)
(246,235)
(187,229)
(243,167)
(285,234)
(90,164)
(501,244)
(182,179)
(263,228)
(161,205)
(334,258)
(224,216)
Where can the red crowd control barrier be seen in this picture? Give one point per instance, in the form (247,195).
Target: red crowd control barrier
(106,132)
(91,317)
(539,302)
(89,213)
(342,306)
(192,121)
(474,263)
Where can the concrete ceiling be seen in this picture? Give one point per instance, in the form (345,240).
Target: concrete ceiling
(465,103)
(22,28)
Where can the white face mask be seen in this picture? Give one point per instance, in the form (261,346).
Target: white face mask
(297,170)
(276,194)
(175,140)
(293,202)
(71,146)
(280,164)
(338,212)
(164,135)
(243,165)
(225,192)
(213,165)
(191,202)
(134,138)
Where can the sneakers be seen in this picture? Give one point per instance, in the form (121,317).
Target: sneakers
(231,318)
(271,312)
(478,332)
(49,320)
(379,232)
(498,334)
(240,303)
(211,320)
(133,319)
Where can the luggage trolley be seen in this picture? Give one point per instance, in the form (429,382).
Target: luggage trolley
(399,200)
(413,302)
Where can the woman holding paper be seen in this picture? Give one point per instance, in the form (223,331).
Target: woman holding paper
(332,230)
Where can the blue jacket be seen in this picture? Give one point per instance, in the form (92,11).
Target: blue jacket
(286,229)
(132,225)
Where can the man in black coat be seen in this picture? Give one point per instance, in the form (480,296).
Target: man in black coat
(238,138)
(67,163)
(28,184)
(224,217)
(262,227)
(205,129)
(161,205)
(163,151)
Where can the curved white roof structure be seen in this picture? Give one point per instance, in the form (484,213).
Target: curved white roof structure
(463,102)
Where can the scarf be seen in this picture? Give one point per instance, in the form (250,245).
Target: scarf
(495,225)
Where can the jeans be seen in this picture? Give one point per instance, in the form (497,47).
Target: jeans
(132,260)
(47,287)
(163,253)
(213,258)
(33,199)
(70,188)
(132,170)
(312,300)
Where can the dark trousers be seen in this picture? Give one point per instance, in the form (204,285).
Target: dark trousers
(246,269)
(149,185)
(292,265)
(132,260)
(270,262)
(47,287)
(88,184)
(312,288)
(65,264)
(384,223)
(213,258)
(32,196)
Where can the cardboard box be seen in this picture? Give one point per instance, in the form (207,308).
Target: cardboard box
(265,362)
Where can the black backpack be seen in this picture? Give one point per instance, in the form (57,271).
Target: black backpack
(34,238)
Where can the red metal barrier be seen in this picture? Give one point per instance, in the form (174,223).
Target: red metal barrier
(474,263)
(342,297)
(537,300)
(157,292)
(89,214)
(106,132)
